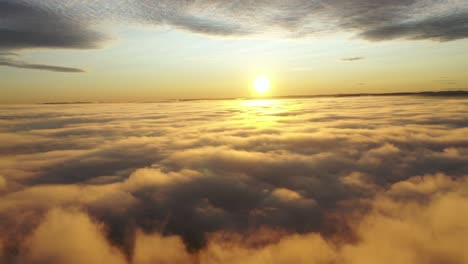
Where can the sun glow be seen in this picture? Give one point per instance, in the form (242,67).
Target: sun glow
(261,84)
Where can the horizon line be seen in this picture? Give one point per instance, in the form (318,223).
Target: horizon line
(452,93)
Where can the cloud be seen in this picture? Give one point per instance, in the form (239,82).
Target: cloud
(154,248)
(32,66)
(29,26)
(207,26)
(404,224)
(342,177)
(25,26)
(445,28)
(373,20)
(352,58)
(445,80)
(310,248)
(8,54)
(80,241)
(393,227)
(3,183)
(53,24)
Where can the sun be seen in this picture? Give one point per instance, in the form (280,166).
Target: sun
(261,84)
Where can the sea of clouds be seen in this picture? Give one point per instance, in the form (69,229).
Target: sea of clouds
(318,180)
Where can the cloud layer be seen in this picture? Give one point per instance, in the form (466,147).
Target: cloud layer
(27,24)
(374,20)
(330,180)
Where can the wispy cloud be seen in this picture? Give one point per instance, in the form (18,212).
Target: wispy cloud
(6,53)
(445,80)
(9,59)
(42,67)
(352,58)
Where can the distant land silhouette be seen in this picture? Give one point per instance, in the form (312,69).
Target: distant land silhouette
(458,93)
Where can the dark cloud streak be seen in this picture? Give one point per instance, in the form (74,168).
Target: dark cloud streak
(42,67)
(352,58)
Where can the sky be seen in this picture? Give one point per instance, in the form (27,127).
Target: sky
(98,166)
(142,50)
(356,180)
